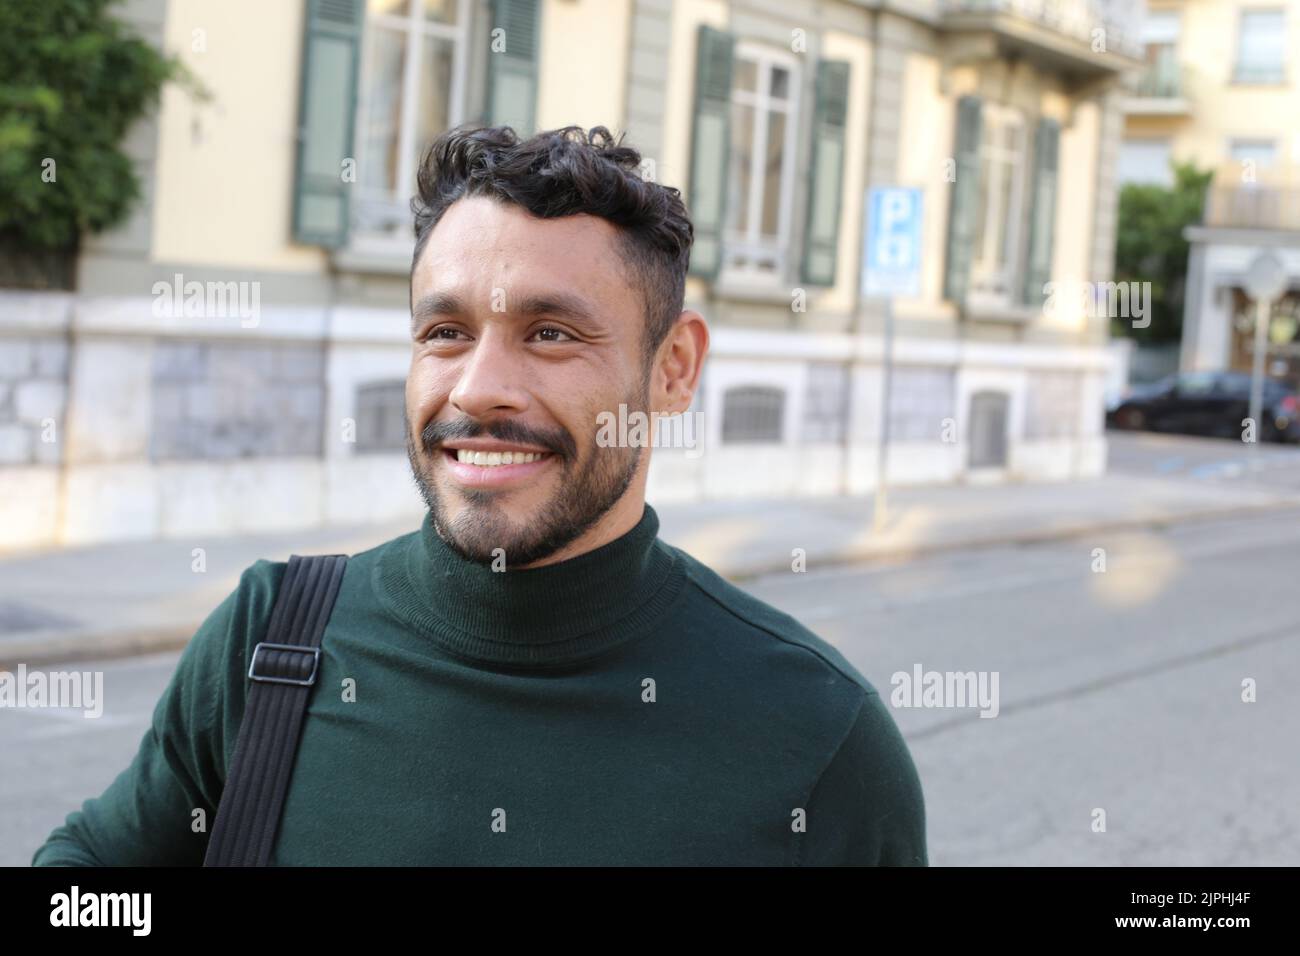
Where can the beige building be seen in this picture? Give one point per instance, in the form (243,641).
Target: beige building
(232,358)
(1222,89)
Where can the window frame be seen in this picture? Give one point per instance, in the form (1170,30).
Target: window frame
(752,245)
(982,283)
(1253,141)
(749,406)
(1244,79)
(415,28)
(1163,142)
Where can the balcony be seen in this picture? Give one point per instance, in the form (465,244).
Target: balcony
(1160,90)
(1070,36)
(1254,206)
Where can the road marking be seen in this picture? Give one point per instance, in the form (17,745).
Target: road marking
(1219,469)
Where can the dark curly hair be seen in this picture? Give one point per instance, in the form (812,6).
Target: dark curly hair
(566,172)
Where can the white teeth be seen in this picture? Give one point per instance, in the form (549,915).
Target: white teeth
(490,459)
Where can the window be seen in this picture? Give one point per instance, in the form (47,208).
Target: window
(764,95)
(1145,161)
(412,79)
(1261,47)
(1196,384)
(824,404)
(1233,385)
(922,396)
(752,413)
(380,417)
(1052,404)
(1258,153)
(1160,31)
(997,219)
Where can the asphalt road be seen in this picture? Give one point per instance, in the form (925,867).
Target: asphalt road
(1118,690)
(1191,458)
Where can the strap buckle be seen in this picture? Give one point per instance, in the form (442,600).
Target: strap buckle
(284,668)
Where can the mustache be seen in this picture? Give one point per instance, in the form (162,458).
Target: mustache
(559,441)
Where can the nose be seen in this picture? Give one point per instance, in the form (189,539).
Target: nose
(489,380)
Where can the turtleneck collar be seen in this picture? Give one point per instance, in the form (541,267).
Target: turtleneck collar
(552,615)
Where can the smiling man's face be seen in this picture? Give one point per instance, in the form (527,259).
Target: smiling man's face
(523,331)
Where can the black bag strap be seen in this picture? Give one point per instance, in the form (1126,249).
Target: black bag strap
(282,671)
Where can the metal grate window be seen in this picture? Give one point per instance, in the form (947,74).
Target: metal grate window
(825,403)
(380,417)
(752,413)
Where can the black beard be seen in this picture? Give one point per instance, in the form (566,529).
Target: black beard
(584,496)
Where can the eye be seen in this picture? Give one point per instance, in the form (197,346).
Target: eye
(441,332)
(558,331)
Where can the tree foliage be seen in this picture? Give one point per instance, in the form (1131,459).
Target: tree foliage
(74,79)
(1151,248)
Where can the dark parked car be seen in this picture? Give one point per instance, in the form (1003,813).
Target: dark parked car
(1209,403)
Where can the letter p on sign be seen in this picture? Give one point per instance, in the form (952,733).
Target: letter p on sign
(893,249)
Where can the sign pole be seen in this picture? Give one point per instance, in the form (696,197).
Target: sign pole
(1266,280)
(882,455)
(1257,378)
(891,267)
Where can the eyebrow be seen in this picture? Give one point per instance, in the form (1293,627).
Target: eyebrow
(545,303)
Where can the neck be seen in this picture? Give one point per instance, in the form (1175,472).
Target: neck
(553,612)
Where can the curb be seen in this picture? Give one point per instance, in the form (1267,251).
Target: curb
(886,554)
(88,646)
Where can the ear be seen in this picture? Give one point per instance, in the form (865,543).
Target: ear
(676,373)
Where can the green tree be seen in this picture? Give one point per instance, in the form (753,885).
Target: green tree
(1151,247)
(73,81)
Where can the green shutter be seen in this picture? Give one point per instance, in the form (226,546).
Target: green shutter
(824,192)
(327,99)
(1038,265)
(963,200)
(512,71)
(710,148)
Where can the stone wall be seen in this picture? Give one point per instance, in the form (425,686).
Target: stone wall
(33,395)
(219,400)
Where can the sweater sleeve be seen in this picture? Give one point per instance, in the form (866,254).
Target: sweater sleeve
(150,814)
(867,808)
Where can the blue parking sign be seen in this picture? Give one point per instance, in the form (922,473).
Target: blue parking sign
(893,248)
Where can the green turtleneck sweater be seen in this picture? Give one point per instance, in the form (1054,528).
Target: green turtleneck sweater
(626,706)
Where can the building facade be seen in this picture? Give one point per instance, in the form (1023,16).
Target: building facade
(232,358)
(1221,90)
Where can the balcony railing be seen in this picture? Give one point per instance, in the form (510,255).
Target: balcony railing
(1266,75)
(1164,80)
(1077,19)
(1256,206)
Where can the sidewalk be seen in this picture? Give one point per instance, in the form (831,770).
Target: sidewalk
(139,597)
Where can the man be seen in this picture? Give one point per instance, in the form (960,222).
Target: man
(535,677)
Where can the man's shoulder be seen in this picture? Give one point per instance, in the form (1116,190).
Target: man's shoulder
(247,609)
(263,577)
(767,629)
